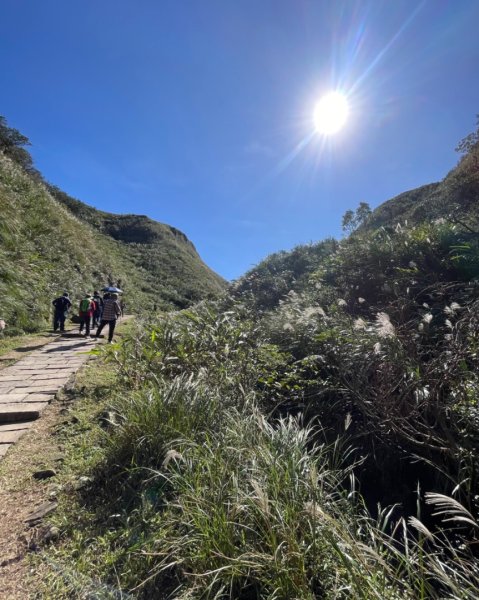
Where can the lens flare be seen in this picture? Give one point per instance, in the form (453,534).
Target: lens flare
(331,113)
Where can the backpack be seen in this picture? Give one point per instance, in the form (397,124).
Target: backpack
(85,305)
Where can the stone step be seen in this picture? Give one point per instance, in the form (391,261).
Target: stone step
(13,377)
(11,397)
(21,411)
(28,386)
(15,426)
(11,437)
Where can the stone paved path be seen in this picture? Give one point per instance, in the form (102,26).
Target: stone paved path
(30,384)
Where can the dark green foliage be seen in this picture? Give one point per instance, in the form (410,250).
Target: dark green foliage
(12,145)
(352,220)
(281,273)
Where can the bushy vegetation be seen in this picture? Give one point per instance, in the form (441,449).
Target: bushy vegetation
(324,446)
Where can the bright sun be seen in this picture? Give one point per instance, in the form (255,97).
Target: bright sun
(331,113)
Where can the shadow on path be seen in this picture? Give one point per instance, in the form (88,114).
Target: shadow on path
(61,348)
(28,348)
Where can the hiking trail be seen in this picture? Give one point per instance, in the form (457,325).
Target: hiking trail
(29,385)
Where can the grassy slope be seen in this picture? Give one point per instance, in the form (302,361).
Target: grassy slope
(456,194)
(167,258)
(45,249)
(455,199)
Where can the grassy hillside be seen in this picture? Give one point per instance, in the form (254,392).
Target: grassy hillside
(455,198)
(45,249)
(171,270)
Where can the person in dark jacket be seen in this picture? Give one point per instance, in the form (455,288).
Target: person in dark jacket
(62,306)
(98,309)
(111,312)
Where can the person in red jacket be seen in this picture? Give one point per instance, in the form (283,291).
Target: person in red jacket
(86,310)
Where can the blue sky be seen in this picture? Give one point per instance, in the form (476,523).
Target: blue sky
(198,113)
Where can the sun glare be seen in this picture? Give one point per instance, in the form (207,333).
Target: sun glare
(331,113)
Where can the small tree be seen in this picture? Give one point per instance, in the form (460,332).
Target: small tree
(12,144)
(462,186)
(471,142)
(352,220)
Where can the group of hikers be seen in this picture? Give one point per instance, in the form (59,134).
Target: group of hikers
(93,311)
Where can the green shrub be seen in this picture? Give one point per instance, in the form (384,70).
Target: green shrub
(13,331)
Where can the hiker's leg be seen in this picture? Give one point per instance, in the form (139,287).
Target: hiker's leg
(61,321)
(99,330)
(111,326)
(55,322)
(87,326)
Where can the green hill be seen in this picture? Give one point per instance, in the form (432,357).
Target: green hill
(453,202)
(455,198)
(50,242)
(171,270)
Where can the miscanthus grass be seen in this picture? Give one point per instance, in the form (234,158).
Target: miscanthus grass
(199,496)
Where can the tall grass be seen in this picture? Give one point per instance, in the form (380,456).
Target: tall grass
(283,453)
(198,494)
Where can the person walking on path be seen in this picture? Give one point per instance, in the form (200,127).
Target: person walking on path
(98,309)
(86,310)
(111,312)
(62,305)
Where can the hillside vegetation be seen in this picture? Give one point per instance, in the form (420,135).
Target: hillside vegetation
(455,198)
(314,435)
(50,242)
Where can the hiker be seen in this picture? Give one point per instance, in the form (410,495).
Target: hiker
(111,312)
(86,310)
(98,309)
(62,305)
(3,325)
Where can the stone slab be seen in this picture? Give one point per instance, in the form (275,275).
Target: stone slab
(42,384)
(49,382)
(12,377)
(10,413)
(9,398)
(41,511)
(60,375)
(32,368)
(15,426)
(11,437)
(38,389)
(37,397)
